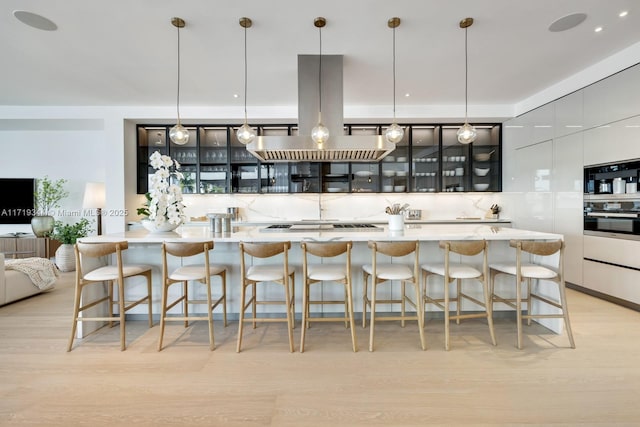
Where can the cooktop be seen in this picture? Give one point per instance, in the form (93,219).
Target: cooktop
(321,227)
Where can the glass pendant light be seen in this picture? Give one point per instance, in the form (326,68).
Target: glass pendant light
(394,133)
(246,133)
(178,134)
(467,133)
(320,133)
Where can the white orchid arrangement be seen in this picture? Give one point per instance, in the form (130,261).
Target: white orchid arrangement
(164,200)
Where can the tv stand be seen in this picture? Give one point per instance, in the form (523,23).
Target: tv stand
(25,245)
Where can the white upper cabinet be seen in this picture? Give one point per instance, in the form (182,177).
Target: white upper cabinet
(612,99)
(542,120)
(569,114)
(613,142)
(517,132)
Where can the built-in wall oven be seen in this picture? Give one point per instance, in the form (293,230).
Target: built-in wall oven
(611,200)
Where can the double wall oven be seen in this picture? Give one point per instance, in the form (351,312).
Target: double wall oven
(611,200)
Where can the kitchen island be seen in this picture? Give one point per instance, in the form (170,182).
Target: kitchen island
(144,247)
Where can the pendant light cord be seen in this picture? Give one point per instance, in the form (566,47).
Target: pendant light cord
(178,91)
(320,76)
(394,74)
(466,76)
(245,75)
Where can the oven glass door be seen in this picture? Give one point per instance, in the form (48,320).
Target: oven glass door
(616,217)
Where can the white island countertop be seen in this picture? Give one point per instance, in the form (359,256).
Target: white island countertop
(421,232)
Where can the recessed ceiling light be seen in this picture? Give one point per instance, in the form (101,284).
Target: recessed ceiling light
(407,95)
(567,22)
(235,95)
(598,29)
(623,14)
(35,20)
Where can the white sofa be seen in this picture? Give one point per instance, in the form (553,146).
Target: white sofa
(14,285)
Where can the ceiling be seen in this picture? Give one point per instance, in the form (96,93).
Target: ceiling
(123,53)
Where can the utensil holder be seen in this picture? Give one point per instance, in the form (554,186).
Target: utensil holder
(396,222)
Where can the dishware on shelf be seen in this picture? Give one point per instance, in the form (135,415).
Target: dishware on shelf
(480,187)
(389,173)
(399,188)
(401,173)
(459,171)
(389,159)
(387,188)
(481,171)
(483,157)
(401,159)
(363,173)
(334,189)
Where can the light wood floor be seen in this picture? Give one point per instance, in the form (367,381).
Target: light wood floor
(96,384)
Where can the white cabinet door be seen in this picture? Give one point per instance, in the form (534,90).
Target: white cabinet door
(534,210)
(568,114)
(542,121)
(614,142)
(567,207)
(516,133)
(612,99)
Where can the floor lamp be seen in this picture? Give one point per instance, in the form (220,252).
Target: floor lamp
(94,198)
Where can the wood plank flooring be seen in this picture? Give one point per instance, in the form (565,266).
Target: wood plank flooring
(546,383)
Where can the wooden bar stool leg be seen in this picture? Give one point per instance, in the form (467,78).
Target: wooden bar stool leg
(403,297)
(352,322)
(488,309)
(528,301)
(254,304)
(185,292)
(372,321)
(148,276)
(458,299)
(210,313)
(76,312)
(292,280)
(123,337)
(565,313)
(163,313)
(446,312)
(365,278)
(243,291)
(223,276)
(346,306)
(305,313)
(519,310)
(287,297)
(420,314)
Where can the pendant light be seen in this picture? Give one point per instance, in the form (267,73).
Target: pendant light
(394,133)
(178,134)
(320,133)
(467,133)
(246,133)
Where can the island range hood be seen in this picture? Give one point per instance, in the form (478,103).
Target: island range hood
(339,147)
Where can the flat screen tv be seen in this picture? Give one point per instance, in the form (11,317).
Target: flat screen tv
(16,200)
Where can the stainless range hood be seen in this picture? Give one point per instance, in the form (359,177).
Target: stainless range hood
(339,147)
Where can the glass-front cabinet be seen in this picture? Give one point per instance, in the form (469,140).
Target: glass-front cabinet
(425,158)
(429,158)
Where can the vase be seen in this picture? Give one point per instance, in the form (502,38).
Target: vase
(396,222)
(165,227)
(66,258)
(42,225)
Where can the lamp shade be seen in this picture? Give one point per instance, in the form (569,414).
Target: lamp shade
(94,195)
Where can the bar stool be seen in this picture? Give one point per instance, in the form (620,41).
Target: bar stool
(319,273)
(526,271)
(112,274)
(458,271)
(255,274)
(387,272)
(200,273)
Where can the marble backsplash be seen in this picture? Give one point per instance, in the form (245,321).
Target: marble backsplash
(361,207)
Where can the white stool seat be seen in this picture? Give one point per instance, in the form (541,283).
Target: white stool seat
(264,273)
(390,271)
(195,272)
(528,270)
(110,272)
(326,272)
(456,270)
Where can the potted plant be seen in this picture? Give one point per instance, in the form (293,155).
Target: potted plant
(47,196)
(67,235)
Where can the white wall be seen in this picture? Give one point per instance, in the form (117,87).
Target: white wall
(74,155)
